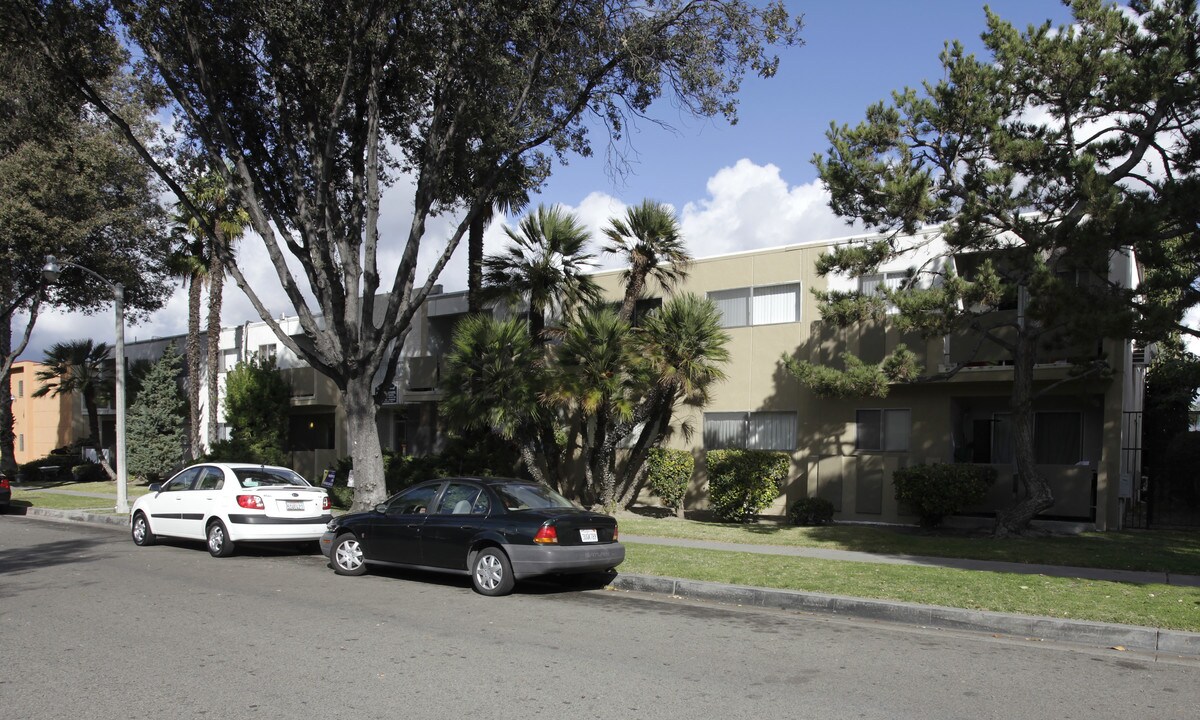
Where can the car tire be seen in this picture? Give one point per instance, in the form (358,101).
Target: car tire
(140,530)
(346,555)
(491,573)
(217,539)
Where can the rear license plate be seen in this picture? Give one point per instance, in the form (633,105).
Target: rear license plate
(588,536)
(294,504)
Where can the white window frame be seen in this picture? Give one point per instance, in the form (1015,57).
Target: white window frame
(883,439)
(752,436)
(751,310)
(890,280)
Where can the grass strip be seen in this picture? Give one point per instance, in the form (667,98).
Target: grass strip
(1150,605)
(1154,551)
(56,501)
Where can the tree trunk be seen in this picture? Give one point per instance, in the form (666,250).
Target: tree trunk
(1015,520)
(216,283)
(93,415)
(194,364)
(657,421)
(475,264)
(362,432)
(633,291)
(8,457)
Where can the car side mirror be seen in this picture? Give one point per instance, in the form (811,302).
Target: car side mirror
(155,487)
(381,508)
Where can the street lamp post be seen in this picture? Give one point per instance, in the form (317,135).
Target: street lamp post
(51,271)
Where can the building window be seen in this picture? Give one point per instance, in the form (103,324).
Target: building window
(310,432)
(877,283)
(21,442)
(266,352)
(229,360)
(886,430)
(750,430)
(1057,438)
(769,305)
(20,388)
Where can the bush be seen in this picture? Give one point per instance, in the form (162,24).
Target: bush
(1182,459)
(935,491)
(811,511)
(88,472)
(668,473)
(236,450)
(741,483)
(55,466)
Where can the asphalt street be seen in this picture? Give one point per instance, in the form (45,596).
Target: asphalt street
(92,626)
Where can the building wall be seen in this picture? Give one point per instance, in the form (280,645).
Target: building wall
(42,424)
(826,461)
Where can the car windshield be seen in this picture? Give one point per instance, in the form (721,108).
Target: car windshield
(265,476)
(526,496)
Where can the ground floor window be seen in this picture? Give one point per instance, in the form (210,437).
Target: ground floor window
(880,429)
(1057,438)
(750,430)
(310,432)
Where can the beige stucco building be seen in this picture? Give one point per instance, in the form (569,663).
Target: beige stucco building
(846,450)
(41,424)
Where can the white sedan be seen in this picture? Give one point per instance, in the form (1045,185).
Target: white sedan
(227,503)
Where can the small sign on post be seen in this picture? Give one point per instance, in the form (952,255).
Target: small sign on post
(350,479)
(329,477)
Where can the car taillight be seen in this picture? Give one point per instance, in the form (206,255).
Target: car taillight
(325,503)
(251,502)
(547,534)
(4,484)
(616,533)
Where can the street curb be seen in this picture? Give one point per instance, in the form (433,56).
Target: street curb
(1108,635)
(81,516)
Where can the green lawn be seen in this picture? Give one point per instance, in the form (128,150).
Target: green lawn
(1158,551)
(1151,605)
(62,502)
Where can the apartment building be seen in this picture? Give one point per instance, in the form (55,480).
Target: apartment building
(1087,432)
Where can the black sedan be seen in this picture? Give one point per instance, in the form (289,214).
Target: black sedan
(497,530)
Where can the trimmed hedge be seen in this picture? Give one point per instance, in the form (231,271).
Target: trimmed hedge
(668,473)
(742,483)
(811,511)
(935,491)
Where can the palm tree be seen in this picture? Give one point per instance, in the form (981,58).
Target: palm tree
(497,377)
(189,261)
(683,349)
(80,367)
(545,265)
(227,221)
(650,241)
(510,198)
(595,375)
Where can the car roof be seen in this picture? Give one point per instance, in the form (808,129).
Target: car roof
(485,479)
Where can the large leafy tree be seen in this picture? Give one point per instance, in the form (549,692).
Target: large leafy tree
(1046,160)
(80,367)
(321,105)
(70,187)
(257,402)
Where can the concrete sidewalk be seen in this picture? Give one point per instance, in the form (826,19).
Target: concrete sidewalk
(1093,634)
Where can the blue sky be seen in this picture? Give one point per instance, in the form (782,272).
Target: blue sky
(736,188)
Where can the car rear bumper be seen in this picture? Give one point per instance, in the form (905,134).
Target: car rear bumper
(531,560)
(258,527)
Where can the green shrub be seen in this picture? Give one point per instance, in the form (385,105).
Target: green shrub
(668,473)
(811,511)
(935,491)
(741,483)
(1182,459)
(55,466)
(88,472)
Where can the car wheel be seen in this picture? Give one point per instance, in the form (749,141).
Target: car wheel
(492,573)
(219,544)
(142,535)
(347,556)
